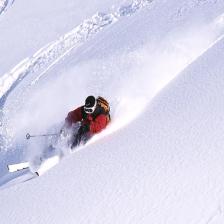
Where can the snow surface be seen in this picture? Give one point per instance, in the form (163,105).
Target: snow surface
(161,67)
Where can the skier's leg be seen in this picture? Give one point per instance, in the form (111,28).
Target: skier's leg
(81,139)
(86,137)
(76,141)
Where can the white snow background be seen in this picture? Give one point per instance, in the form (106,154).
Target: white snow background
(160,64)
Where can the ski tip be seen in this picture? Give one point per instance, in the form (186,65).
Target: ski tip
(37,174)
(17,167)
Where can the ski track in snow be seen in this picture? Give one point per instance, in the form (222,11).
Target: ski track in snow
(5,4)
(49,55)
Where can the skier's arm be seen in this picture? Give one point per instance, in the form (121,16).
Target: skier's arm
(98,124)
(73,116)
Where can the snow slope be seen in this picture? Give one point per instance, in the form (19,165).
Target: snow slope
(164,163)
(27,75)
(170,172)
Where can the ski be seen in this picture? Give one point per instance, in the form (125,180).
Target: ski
(47,165)
(17,167)
(44,166)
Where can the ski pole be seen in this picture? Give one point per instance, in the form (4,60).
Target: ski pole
(28,136)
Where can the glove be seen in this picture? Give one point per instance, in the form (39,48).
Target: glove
(63,132)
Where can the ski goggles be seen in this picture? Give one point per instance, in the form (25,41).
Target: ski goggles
(90,110)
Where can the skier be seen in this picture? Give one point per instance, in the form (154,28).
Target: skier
(93,117)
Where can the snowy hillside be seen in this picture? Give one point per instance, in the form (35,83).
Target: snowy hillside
(160,64)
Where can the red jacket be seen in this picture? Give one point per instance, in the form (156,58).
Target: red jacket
(96,121)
